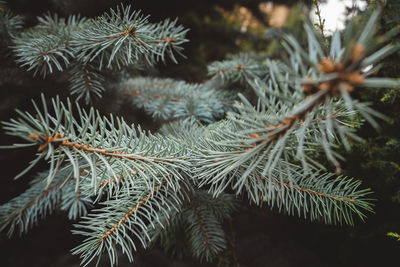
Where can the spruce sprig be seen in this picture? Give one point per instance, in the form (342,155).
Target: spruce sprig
(264,150)
(87,47)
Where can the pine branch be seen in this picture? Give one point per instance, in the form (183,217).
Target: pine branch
(25,210)
(320,25)
(47,47)
(85,81)
(122,37)
(193,226)
(319,197)
(125,220)
(242,67)
(170,99)
(109,150)
(85,47)
(271,140)
(169,40)
(204,232)
(147,182)
(10,25)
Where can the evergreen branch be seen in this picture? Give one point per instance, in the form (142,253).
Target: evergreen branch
(320,25)
(170,99)
(247,142)
(204,232)
(113,36)
(37,199)
(85,81)
(43,54)
(222,207)
(126,219)
(241,67)
(268,138)
(119,150)
(53,24)
(74,201)
(149,182)
(41,199)
(47,46)
(186,131)
(194,224)
(59,140)
(170,236)
(128,214)
(114,40)
(201,227)
(9,25)
(170,38)
(234,165)
(122,37)
(112,180)
(320,197)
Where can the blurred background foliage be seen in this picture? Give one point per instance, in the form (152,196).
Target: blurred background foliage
(258,237)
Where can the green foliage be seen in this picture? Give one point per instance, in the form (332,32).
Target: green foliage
(200,217)
(88,47)
(394,235)
(169,99)
(186,179)
(41,199)
(9,24)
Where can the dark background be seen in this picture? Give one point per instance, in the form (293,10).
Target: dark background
(260,236)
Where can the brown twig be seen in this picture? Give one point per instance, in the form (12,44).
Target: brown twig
(201,225)
(310,192)
(59,139)
(344,79)
(128,214)
(54,49)
(40,197)
(129,31)
(321,26)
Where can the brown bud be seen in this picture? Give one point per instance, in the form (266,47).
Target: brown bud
(355,78)
(324,86)
(34,136)
(254,135)
(169,40)
(58,136)
(358,52)
(307,88)
(42,147)
(339,66)
(326,65)
(288,121)
(239,67)
(346,86)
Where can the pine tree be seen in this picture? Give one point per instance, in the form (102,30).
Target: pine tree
(130,188)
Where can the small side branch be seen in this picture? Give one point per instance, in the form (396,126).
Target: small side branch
(129,31)
(201,225)
(54,49)
(40,197)
(133,210)
(311,192)
(59,139)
